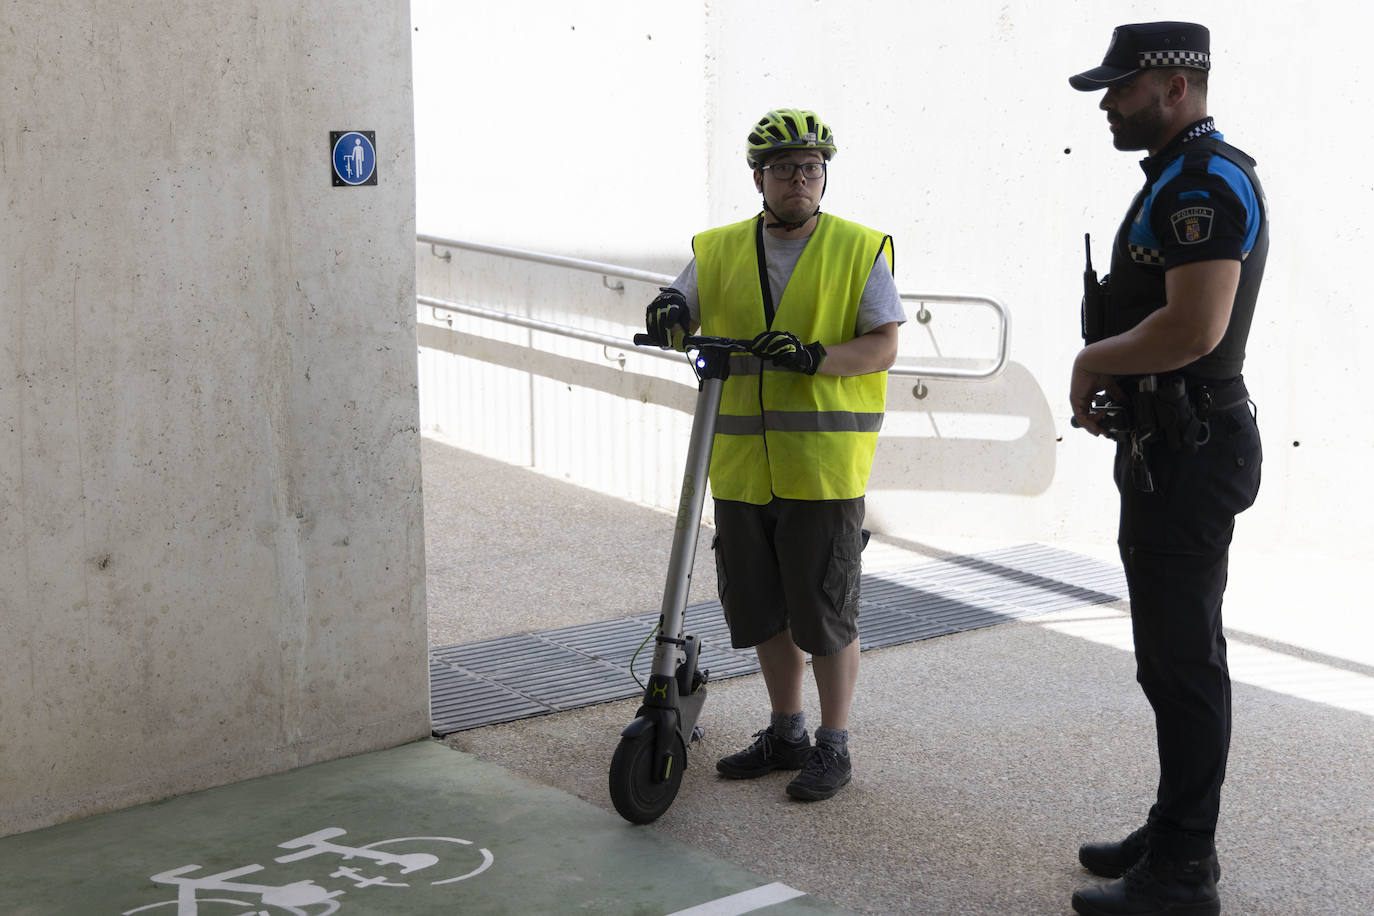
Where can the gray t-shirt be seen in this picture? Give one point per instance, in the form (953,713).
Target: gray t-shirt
(880,304)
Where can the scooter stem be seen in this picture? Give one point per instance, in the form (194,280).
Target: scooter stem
(690,499)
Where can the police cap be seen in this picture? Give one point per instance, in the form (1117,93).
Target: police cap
(1144,46)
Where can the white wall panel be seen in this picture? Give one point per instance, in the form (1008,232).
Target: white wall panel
(960,135)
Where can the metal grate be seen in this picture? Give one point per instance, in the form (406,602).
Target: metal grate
(515,677)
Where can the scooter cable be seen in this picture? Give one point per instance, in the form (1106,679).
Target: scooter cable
(639,650)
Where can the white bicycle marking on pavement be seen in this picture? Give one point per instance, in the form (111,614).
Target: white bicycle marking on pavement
(305,897)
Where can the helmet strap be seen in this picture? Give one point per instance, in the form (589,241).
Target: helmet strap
(785,227)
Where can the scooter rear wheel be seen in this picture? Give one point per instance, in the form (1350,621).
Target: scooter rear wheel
(636,794)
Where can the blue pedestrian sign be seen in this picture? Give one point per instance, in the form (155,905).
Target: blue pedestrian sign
(354,157)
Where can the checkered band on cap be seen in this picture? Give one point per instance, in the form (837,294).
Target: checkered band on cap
(1197,60)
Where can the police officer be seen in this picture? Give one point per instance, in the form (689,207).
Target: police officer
(1169,344)
(796,435)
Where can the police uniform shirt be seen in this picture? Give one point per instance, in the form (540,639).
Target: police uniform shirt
(1187,215)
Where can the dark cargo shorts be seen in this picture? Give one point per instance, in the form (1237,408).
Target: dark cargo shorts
(792,563)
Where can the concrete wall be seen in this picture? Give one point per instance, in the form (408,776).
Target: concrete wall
(211,552)
(958,134)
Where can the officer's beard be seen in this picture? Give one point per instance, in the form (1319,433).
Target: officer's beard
(1141,130)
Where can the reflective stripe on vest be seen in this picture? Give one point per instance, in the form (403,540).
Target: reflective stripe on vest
(831,421)
(782,433)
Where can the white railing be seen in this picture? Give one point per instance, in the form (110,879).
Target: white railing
(991,370)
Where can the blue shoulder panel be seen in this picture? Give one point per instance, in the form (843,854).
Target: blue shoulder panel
(1145,247)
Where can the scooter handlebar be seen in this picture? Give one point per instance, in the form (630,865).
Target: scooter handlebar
(693,342)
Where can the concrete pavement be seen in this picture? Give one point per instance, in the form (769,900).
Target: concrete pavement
(982,760)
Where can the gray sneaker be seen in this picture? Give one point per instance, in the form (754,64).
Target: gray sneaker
(826,772)
(766,754)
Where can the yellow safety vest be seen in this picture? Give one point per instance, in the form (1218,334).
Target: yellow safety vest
(782,433)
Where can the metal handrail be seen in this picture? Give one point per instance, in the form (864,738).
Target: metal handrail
(535,324)
(611,270)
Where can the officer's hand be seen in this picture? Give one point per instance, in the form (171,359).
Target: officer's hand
(667,318)
(1083,387)
(784,350)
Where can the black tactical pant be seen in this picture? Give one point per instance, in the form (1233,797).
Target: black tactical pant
(1174,546)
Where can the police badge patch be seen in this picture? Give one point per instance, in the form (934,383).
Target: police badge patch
(1193,225)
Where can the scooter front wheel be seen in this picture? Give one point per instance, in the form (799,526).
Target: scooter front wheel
(637,795)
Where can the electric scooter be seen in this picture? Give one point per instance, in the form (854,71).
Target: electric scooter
(646,770)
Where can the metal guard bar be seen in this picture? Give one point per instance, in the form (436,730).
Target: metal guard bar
(644,276)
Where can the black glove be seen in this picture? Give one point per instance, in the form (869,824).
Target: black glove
(784,350)
(666,314)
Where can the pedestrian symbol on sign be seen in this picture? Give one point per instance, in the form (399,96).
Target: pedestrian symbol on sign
(354,157)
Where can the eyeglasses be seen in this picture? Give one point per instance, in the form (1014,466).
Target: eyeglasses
(783,171)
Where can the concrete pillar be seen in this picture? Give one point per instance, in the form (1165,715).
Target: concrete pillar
(211,551)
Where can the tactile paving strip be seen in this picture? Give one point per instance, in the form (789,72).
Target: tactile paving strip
(515,677)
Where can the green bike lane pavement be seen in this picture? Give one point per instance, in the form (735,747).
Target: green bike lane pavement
(418,829)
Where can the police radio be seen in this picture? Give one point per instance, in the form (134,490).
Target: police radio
(1094,297)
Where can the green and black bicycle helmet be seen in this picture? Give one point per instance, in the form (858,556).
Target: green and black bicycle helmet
(788,128)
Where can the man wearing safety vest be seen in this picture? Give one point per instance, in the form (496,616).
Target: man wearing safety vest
(797,428)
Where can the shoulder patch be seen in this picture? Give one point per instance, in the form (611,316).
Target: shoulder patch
(1192,225)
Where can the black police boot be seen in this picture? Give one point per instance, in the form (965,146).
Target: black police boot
(1154,886)
(1112,860)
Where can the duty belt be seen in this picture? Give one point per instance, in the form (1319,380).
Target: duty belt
(1208,396)
(1211,396)
(1173,409)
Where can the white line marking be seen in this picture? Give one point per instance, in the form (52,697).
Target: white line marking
(744,902)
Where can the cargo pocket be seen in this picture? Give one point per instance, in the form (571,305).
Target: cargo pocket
(841,583)
(722,579)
